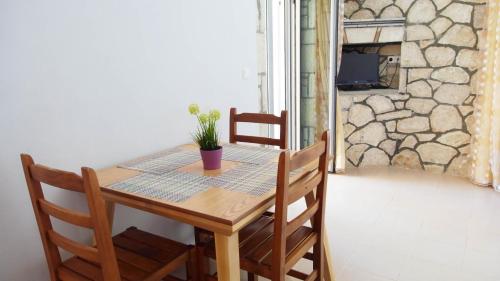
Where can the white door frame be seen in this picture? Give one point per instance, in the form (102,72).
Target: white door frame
(285,71)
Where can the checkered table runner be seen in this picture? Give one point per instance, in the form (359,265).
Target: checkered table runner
(161,179)
(172,186)
(163,162)
(249,154)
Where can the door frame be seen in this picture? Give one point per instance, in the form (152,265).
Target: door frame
(285,70)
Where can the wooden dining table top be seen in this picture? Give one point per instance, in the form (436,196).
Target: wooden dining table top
(215,209)
(223,211)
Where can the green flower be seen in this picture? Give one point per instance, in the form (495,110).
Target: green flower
(194,109)
(214,114)
(203,118)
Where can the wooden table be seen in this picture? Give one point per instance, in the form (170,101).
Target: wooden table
(219,210)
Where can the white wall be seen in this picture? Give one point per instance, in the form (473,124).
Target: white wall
(92,83)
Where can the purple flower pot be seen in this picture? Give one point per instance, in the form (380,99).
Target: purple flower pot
(211,158)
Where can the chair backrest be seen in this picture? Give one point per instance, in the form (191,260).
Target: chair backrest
(260,118)
(103,253)
(311,185)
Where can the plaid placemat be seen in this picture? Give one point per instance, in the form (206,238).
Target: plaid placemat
(164,162)
(249,178)
(255,175)
(172,186)
(249,154)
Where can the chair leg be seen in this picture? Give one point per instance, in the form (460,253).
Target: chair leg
(251,277)
(192,266)
(202,264)
(197,236)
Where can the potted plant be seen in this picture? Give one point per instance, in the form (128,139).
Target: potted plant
(207,137)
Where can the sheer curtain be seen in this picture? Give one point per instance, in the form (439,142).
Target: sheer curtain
(322,65)
(486,140)
(323,77)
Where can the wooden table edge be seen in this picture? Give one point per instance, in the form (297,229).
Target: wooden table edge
(207,222)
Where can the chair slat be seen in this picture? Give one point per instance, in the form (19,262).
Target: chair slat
(132,273)
(258,118)
(309,256)
(297,222)
(141,257)
(66,274)
(64,214)
(303,186)
(312,276)
(155,241)
(297,274)
(272,253)
(293,241)
(56,178)
(83,268)
(300,251)
(258,140)
(306,156)
(81,250)
(137,260)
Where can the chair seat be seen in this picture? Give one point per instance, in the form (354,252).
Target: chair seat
(141,256)
(256,243)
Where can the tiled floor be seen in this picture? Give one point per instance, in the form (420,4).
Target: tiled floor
(392,224)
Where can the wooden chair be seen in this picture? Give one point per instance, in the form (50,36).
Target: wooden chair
(259,118)
(202,236)
(272,245)
(131,255)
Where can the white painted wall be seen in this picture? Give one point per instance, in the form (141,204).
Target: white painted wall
(92,83)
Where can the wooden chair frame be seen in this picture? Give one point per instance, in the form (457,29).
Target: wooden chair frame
(311,185)
(202,236)
(103,253)
(259,118)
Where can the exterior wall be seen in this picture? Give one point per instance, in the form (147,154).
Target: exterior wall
(308,90)
(262,82)
(428,124)
(262,62)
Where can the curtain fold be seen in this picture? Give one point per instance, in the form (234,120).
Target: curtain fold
(486,136)
(322,65)
(323,77)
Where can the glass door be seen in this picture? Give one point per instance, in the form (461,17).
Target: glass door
(316,25)
(317,56)
(302,57)
(307,71)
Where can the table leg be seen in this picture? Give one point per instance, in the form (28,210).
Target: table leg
(228,259)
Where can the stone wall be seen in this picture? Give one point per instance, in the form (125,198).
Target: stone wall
(428,124)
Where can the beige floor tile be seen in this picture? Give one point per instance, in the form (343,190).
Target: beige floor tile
(391,224)
(395,224)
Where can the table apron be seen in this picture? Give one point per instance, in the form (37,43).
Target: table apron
(188,218)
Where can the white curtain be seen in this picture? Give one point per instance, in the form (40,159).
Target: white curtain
(486,139)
